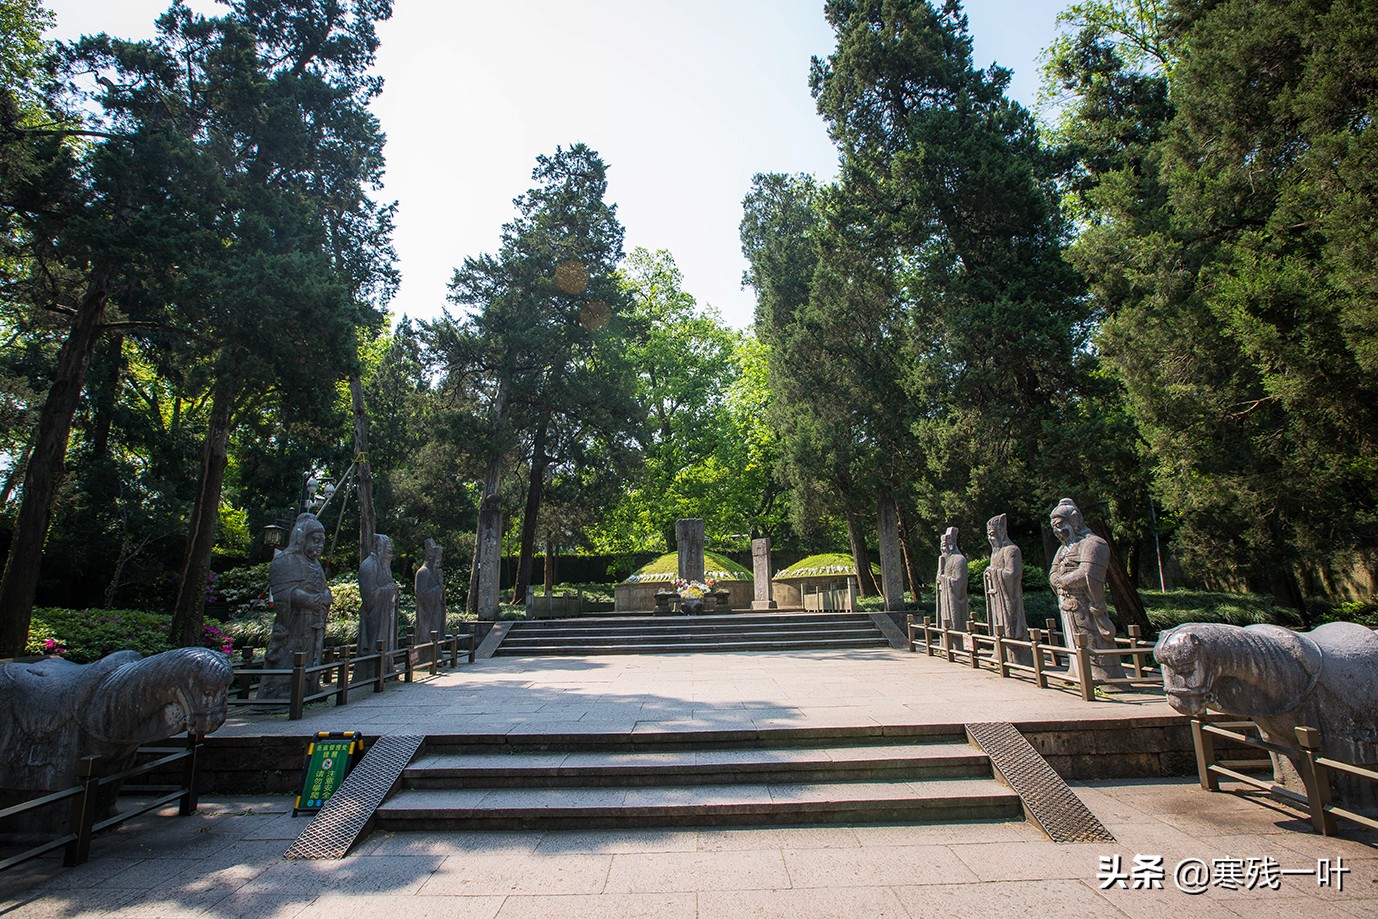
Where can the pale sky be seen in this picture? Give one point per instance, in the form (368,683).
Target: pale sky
(684,99)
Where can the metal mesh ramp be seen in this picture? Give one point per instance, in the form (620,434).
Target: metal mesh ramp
(349,811)
(1048,801)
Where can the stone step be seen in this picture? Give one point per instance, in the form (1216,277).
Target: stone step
(665,636)
(699,805)
(562,769)
(692,634)
(651,739)
(737,620)
(641,627)
(777,644)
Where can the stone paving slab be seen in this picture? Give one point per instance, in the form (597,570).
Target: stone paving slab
(699,692)
(226,861)
(215,864)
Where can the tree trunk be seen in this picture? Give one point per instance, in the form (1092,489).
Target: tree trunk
(1282,584)
(535,491)
(488,537)
(891,560)
(188,613)
(102,393)
(489,551)
(20,579)
(1050,546)
(1122,590)
(471,600)
(368,520)
(861,558)
(549,567)
(911,562)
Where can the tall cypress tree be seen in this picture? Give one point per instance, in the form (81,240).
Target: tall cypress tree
(952,178)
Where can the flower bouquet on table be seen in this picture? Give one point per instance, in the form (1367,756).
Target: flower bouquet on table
(693,594)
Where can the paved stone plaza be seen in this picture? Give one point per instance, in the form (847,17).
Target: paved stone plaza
(227,860)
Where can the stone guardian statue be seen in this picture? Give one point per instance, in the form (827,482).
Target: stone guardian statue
(430,595)
(1326,678)
(378,591)
(1004,584)
(1078,578)
(302,600)
(54,712)
(953,606)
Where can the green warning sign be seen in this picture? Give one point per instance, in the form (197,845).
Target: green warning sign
(328,760)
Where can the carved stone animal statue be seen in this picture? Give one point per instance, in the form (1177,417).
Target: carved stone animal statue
(54,712)
(1326,678)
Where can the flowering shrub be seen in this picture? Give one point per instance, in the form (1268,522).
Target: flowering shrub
(87,635)
(212,637)
(41,636)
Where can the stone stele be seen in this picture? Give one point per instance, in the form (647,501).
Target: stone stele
(54,712)
(689,541)
(760,567)
(1077,577)
(1326,678)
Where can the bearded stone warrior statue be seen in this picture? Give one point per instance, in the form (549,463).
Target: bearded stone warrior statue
(301,599)
(1078,578)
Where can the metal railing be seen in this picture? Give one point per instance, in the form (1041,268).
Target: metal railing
(82,823)
(344,670)
(1314,767)
(980,645)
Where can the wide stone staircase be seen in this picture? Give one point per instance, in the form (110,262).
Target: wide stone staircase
(673,634)
(701,778)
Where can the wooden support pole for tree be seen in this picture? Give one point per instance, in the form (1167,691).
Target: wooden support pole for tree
(368,520)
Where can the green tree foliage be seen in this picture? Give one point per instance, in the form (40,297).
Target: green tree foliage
(534,363)
(1230,247)
(827,315)
(304,247)
(698,383)
(954,175)
(199,202)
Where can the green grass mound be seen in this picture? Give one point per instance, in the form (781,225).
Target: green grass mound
(823,565)
(666,569)
(1175,607)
